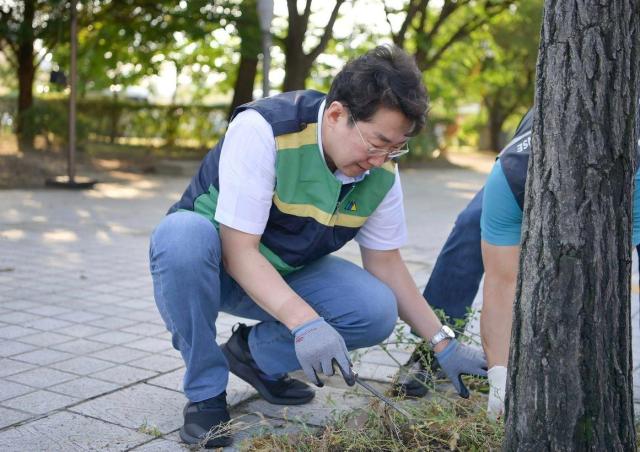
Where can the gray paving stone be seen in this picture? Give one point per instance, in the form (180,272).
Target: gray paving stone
(10,417)
(379,356)
(120,355)
(138,405)
(47,323)
(49,310)
(10,348)
(112,323)
(108,304)
(42,357)
(124,375)
(81,330)
(15,331)
(63,432)
(245,427)
(172,352)
(377,372)
(10,367)
(115,337)
(171,380)
(145,329)
(40,402)
(151,344)
(79,316)
(18,317)
(82,365)
(238,391)
(161,445)
(45,339)
(21,305)
(159,363)
(327,403)
(41,377)
(84,387)
(10,389)
(81,346)
(145,316)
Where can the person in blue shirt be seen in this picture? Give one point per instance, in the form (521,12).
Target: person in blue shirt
(486,239)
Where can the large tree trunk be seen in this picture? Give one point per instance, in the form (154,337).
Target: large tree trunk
(26,75)
(570,370)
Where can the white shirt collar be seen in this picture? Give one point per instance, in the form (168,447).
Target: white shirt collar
(337,173)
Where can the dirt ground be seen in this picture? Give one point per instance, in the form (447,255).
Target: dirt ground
(32,168)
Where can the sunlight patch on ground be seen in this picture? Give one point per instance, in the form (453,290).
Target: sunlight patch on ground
(60,235)
(116,191)
(32,203)
(12,234)
(103,237)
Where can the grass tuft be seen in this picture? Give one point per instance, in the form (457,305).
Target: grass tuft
(439,424)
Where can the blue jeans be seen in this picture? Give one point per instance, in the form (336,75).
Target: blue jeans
(191,287)
(456,276)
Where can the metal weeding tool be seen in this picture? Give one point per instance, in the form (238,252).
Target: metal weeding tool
(379,395)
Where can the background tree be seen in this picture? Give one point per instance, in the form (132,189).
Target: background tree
(298,63)
(248,27)
(570,365)
(22,24)
(429,31)
(506,75)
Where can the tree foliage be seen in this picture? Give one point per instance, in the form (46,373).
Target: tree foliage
(429,31)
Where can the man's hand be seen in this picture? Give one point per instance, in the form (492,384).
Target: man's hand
(457,360)
(318,345)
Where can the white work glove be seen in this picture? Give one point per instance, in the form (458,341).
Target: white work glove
(497,385)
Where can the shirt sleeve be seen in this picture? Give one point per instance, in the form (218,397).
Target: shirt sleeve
(501,219)
(386,228)
(247,174)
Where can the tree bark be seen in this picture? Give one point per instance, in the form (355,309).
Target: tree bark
(243,90)
(250,48)
(26,74)
(570,369)
(298,63)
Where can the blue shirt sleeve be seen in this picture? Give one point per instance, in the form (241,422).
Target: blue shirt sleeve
(501,220)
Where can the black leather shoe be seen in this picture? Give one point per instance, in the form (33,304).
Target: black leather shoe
(204,422)
(283,391)
(416,376)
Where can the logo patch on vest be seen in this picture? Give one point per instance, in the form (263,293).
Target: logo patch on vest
(351,207)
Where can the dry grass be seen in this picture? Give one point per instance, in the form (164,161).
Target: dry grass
(439,424)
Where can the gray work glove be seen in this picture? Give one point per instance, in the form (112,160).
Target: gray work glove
(318,345)
(457,360)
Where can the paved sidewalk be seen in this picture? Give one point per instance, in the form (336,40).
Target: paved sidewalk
(85,360)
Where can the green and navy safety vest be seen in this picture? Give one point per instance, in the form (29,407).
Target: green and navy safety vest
(313,213)
(514,158)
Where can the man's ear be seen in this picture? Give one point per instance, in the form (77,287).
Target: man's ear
(334,113)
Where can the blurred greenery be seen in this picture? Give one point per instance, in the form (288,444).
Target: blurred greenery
(477,56)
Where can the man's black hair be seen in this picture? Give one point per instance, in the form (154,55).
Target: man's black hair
(383,77)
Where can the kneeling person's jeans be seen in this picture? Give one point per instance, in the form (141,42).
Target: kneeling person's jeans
(191,287)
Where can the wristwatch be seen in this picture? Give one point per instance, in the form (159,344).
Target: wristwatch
(444,333)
